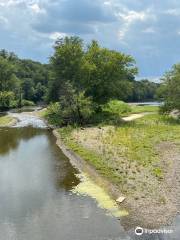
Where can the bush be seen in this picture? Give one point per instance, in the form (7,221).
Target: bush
(24,103)
(167,107)
(72,108)
(27,103)
(6,98)
(54,114)
(117,107)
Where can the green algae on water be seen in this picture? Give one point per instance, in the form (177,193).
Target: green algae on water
(88,188)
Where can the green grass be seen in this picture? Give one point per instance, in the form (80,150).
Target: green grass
(133,143)
(42,113)
(91,157)
(141,109)
(116,107)
(5,120)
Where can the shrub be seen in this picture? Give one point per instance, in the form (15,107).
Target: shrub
(72,108)
(24,103)
(67,112)
(27,103)
(54,114)
(117,107)
(6,99)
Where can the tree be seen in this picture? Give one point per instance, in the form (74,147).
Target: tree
(107,74)
(35,76)
(28,89)
(6,99)
(171,89)
(40,92)
(66,64)
(7,71)
(24,77)
(101,73)
(73,107)
(143,90)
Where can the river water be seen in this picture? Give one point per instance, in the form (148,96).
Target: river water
(36,201)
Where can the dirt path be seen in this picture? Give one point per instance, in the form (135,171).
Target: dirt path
(135,116)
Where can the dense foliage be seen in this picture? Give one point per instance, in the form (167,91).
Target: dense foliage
(6,100)
(117,107)
(170,89)
(25,78)
(101,73)
(144,90)
(91,79)
(73,107)
(79,80)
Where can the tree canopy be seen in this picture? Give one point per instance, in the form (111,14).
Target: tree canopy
(100,72)
(27,79)
(170,89)
(90,71)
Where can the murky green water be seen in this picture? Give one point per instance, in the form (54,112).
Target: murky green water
(35,197)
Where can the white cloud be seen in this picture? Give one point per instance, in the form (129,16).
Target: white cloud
(130,17)
(107,3)
(56,35)
(36,9)
(6,3)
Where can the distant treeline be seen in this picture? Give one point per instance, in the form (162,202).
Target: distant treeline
(21,80)
(97,72)
(144,90)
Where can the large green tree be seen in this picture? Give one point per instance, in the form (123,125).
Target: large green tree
(66,64)
(103,74)
(107,74)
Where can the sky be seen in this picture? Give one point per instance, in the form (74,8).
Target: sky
(149,30)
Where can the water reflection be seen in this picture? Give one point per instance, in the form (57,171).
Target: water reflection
(10,137)
(35,202)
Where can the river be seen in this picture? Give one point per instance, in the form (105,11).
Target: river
(36,201)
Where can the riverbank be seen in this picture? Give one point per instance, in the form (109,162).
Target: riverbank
(7,121)
(137,160)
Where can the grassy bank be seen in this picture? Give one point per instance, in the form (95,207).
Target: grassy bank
(137,155)
(142,109)
(128,155)
(5,120)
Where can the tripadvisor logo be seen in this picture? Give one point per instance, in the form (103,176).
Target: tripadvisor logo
(139,231)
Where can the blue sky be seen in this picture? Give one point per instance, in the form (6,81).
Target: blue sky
(147,29)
